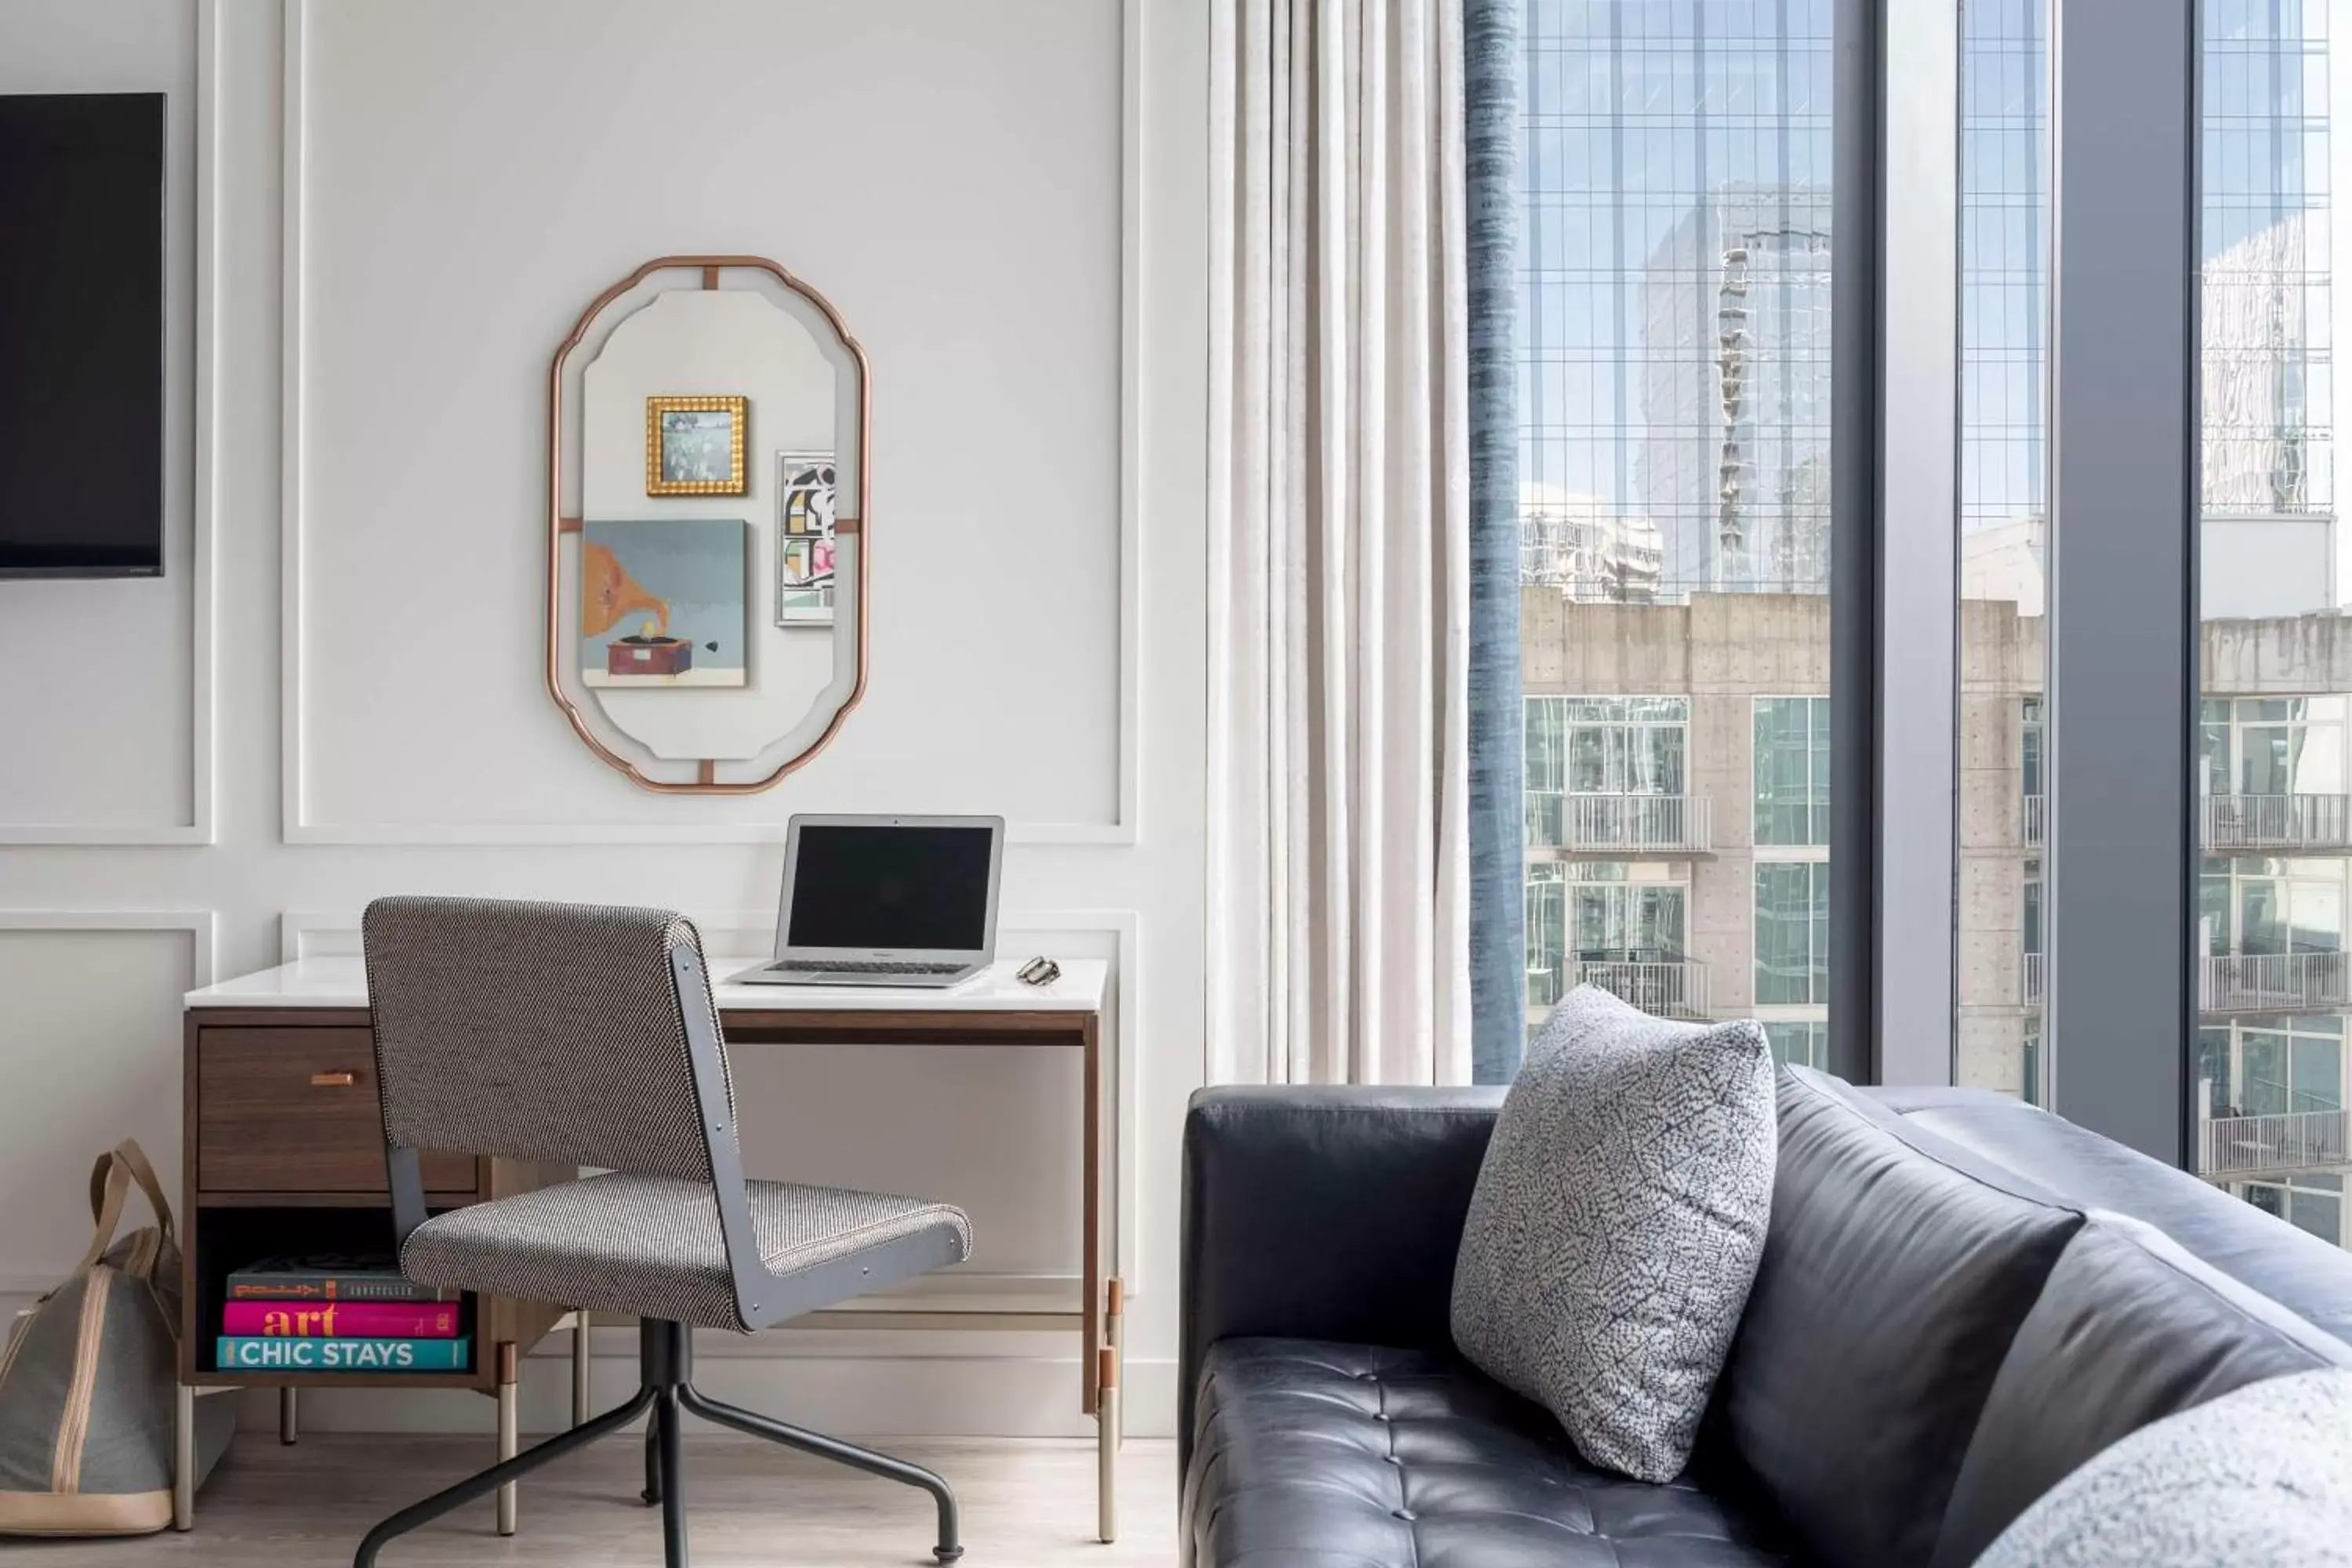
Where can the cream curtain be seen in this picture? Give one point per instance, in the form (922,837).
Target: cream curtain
(1337,548)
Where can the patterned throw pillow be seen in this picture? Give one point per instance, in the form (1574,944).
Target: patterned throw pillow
(1617,1224)
(2261,1478)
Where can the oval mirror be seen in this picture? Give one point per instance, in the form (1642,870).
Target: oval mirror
(707,523)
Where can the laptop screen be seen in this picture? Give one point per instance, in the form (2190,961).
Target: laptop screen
(889,887)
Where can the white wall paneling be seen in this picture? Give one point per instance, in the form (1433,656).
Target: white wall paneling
(1013,222)
(1023,655)
(112,744)
(92,1063)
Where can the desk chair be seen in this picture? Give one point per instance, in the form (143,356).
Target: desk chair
(576,1035)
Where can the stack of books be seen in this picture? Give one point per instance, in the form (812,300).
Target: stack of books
(337,1313)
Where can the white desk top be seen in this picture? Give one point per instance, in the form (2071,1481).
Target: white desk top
(340,981)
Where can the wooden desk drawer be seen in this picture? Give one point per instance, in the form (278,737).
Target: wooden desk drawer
(293,1109)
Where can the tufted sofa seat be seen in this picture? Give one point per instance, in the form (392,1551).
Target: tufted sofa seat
(1416,1458)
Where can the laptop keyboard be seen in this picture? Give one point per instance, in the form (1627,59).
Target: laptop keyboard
(863,966)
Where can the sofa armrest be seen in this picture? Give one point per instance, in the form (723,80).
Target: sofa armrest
(1323,1213)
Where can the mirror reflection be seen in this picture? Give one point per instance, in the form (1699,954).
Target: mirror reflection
(710,431)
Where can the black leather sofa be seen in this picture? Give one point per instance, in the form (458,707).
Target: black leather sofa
(1962,1299)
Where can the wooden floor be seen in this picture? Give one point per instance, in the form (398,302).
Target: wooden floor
(1026,1504)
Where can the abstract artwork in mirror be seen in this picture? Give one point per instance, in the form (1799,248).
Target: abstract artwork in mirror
(804,539)
(708,470)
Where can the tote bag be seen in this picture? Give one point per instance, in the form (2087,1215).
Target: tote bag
(88,1379)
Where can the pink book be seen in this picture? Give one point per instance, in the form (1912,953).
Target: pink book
(341,1319)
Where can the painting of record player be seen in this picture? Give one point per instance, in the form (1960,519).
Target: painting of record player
(664,603)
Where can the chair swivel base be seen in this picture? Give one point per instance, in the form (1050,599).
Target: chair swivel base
(666,1364)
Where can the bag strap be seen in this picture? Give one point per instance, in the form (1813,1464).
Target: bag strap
(133,1159)
(110,1187)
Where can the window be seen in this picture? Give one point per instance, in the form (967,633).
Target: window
(1607,745)
(1674,455)
(2030,968)
(2273,772)
(1615,925)
(2275,745)
(2315,1204)
(1793,931)
(1674,444)
(1546,926)
(2004,542)
(2272,996)
(2279,907)
(1790,782)
(1792,771)
(2033,787)
(1803,1044)
(1612,920)
(2272,1065)
(2032,1093)
(1607,772)
(2272,937)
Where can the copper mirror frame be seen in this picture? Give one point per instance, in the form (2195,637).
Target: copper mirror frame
(844,526)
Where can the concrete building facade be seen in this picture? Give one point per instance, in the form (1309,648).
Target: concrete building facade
(1678,822)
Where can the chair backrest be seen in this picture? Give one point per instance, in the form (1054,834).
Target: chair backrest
(538,1031)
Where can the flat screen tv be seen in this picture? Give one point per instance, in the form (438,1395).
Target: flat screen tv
(81,335)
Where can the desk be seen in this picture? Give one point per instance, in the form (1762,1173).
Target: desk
(283,1135)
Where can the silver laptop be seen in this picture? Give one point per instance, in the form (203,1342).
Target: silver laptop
(886,900)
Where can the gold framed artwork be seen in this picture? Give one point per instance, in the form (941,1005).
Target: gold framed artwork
(694,446)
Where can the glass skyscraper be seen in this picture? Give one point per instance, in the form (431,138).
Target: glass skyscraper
(2271,981)
(1674,395)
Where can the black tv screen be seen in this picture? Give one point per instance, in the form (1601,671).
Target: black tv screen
(81,335)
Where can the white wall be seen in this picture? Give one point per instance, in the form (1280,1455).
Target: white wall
(380,235)
(125,690)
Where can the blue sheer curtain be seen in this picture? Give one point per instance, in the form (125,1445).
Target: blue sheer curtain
(1491,33)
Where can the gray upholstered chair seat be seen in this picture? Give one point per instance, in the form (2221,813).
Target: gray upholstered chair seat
(652,1246)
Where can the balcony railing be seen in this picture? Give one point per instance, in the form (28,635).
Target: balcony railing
(2037,818)
(2265,1148)
(2275,982)
(1671,990)
(2278,821)
(2032,979)
(1621,823)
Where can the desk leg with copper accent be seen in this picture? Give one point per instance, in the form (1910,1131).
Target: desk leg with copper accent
(510,1435)
(1108,1433)
(1115,1339)
(1106,1445)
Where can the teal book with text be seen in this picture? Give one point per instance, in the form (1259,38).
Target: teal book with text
(234,1353)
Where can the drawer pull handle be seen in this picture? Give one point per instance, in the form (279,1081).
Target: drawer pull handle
(333,1080)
